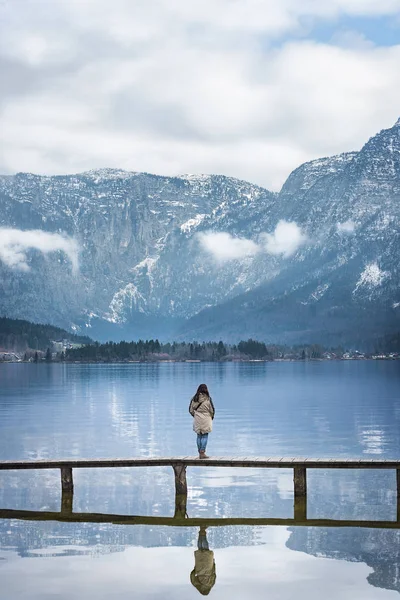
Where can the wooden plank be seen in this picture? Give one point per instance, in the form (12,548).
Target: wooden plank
(27,515)
(258,462)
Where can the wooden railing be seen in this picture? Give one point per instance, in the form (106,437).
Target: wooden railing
(179,521)
(180,464)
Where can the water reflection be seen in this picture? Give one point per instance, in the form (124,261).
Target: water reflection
(204,574)
(267,569)
(317,409)
(378,549)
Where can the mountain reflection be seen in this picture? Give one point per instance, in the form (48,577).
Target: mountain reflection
(378,549)
(337,495)
(262,551)
(357,495)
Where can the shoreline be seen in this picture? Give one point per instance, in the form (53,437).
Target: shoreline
(183,361)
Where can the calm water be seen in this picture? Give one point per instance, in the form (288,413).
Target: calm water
(344,409)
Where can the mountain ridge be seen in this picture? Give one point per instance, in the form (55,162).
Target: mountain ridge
(146,271)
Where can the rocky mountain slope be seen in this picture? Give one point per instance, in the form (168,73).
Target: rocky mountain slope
(146,269)
(136,235)
(343,284)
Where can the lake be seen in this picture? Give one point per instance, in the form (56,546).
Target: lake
(347,409)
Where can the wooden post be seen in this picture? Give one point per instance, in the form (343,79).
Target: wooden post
(300,493)
(67,500)
(67,490)
(398,494)
(180,506)
(180,491)
(180,479)
(67,483)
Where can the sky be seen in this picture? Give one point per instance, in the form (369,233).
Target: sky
(245,88)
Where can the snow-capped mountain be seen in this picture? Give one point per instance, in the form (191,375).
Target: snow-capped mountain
(342,285)
(140,262)
(145,269)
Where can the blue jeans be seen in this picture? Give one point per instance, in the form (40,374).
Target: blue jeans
(202,439)
(202,542)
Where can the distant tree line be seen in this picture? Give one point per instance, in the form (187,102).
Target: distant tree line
(20,336)
(154,350)
(386,344)
(148,350)
(35,341)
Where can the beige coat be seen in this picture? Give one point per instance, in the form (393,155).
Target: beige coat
(202,411)
(203,575)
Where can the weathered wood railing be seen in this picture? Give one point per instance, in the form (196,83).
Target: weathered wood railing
(180,464)
(178,521)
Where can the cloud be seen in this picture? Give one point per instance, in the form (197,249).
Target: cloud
(346,227)
(15,243)
(170,86)
(224,247)
(286,239)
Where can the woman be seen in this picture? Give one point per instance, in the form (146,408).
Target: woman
(202,410)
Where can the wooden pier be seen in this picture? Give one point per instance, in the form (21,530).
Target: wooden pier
(179,466)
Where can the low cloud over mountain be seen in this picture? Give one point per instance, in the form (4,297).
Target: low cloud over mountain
(285,240)
(15,243)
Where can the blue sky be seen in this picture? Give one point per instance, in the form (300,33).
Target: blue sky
(382,31)
(247,88)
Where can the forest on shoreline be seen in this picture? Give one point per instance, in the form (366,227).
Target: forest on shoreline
(18,335)
(154,351)
(36,343)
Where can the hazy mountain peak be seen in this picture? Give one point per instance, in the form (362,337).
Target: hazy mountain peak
(107,173)
(195,176)
(307,174)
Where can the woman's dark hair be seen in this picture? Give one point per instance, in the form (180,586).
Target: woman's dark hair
(202,389)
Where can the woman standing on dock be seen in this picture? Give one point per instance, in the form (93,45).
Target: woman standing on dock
(202,410)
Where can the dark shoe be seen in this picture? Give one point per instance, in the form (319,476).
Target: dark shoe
(203,454)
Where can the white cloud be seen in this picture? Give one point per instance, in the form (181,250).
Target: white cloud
(225,247)
(14,244)
(286,239)
(171,86)
(346,227)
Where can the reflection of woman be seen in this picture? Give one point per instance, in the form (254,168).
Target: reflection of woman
(202,410)
(203,575)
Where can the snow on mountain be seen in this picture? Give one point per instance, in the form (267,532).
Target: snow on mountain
(192,223)
(137,238)
(143,268)
(305,176)
(344,283)
(371,277)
